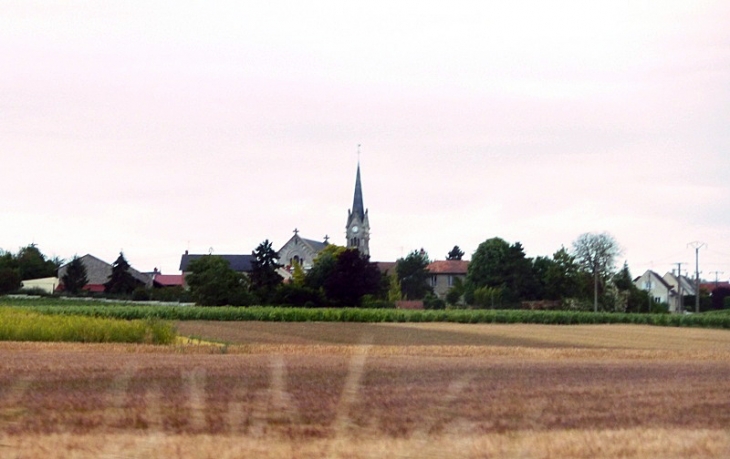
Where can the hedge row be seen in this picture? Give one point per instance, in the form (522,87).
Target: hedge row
(281,314)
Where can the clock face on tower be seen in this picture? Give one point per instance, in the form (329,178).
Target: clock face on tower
(355,229)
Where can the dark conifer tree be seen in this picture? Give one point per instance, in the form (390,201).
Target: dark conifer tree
(121,280)
(75,277)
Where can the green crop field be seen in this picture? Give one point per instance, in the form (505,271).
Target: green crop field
(131,311)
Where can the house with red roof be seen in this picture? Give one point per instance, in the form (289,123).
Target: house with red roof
(444,274)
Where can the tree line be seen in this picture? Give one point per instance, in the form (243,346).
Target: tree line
(499,275)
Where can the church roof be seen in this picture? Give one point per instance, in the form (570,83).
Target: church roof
(357,205)
(239,263)
(317,246)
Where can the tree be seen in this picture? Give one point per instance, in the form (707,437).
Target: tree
(498,264)
(596,254)
(353,277)
(9,274)
(412,272)
(298,275)
(75,277)
(559,276)
(323,265)
(32,264)
(455,254)
(263,275)
(213,282)
(9,280)
(121,280)
(394,290)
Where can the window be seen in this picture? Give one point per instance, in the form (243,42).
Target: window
(434,280)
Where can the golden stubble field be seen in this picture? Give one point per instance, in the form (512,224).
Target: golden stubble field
(311,390)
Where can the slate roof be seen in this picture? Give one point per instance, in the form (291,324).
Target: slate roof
(317,246)
(239,263)
(448,267)
(357,205)
(386,266)
(98,272)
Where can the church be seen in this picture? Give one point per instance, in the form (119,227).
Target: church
(304,251)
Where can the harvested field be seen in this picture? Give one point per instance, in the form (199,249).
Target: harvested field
(443,392)
(451,334)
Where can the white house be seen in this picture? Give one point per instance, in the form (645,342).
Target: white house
(658,289)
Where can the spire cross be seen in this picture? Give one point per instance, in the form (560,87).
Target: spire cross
(296,231)
(326,239)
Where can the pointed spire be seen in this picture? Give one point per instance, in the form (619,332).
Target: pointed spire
(357,206)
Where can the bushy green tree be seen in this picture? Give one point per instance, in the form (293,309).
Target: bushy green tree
(33,264)
(213,282)
(323,265)
(412,272)
(121,281)
(498,264)
(559,276)
(75,278)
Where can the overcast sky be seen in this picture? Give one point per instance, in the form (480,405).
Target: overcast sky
(156,127)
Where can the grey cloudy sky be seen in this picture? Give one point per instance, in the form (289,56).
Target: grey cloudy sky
(156,127)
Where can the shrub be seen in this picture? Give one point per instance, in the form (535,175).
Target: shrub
(431,301)
(297,295)
(140,294)
(171,294)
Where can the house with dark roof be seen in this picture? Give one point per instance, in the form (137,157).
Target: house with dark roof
(238,263)
(98,272)
(444,274)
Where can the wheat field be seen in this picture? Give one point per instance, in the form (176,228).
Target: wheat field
(283,390)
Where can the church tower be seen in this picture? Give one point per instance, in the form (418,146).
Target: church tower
(358,224)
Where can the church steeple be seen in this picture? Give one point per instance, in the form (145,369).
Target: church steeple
(358,224)
(357,206)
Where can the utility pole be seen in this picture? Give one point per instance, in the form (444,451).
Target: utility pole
(697,245)
(680,300)
(717,276)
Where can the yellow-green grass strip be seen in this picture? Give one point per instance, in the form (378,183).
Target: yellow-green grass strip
(24,325)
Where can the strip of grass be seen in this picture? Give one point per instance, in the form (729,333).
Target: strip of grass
(24,325)
(261,313)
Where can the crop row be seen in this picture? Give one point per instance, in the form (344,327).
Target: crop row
(259,313)
(25,325)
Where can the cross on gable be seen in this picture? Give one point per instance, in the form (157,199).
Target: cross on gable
(296,231)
